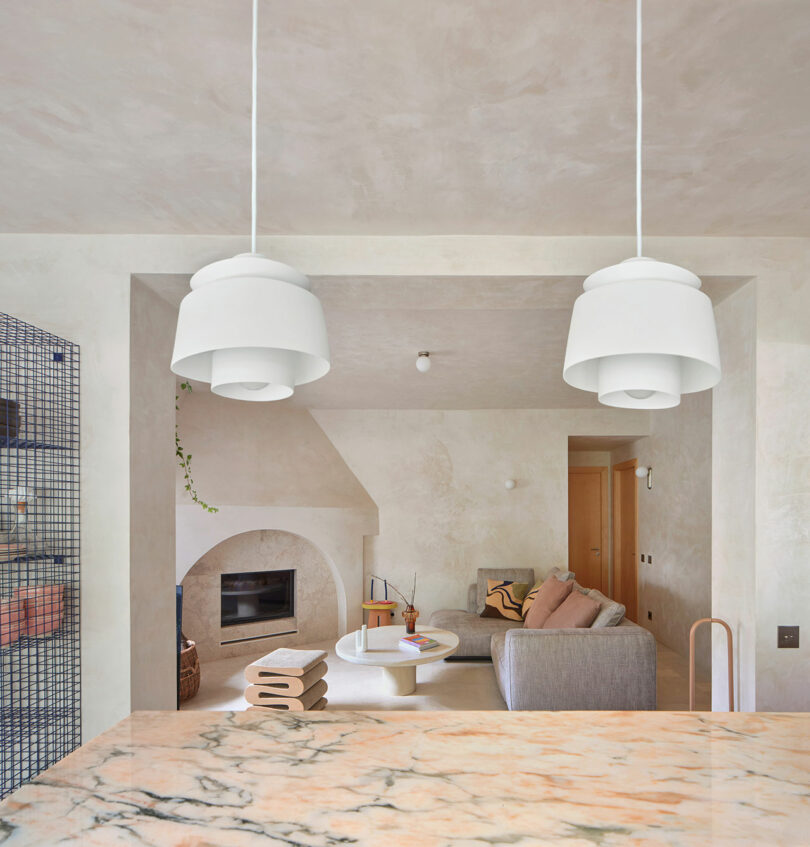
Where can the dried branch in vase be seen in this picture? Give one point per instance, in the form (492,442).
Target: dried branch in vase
(393,587)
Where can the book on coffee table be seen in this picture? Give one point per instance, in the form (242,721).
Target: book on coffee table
(418,642)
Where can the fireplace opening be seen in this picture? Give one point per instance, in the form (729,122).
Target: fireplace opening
(257,596)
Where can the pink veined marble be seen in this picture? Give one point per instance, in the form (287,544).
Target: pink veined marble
(239,779)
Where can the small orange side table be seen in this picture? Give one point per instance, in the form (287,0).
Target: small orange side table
(379,613)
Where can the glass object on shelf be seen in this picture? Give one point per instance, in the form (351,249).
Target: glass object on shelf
(21,539)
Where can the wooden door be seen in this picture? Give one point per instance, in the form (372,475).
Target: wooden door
(625,537)
(588,526)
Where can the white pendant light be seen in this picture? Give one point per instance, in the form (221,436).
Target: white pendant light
(251,326)
(643,332)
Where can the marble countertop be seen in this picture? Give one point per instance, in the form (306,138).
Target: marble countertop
(239,779)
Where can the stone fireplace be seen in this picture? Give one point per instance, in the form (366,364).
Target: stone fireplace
(253,596)
(256,591)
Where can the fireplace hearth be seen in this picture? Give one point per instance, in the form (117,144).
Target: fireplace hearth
(257,596)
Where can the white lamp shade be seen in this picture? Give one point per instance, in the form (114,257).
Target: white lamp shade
(252,328)
(641,335)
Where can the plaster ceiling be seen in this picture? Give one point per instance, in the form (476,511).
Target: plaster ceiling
(495,342)
(417,117)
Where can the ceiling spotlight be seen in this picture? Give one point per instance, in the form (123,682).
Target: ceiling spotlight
(423,361)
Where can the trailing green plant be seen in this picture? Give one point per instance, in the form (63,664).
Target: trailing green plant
(184,459)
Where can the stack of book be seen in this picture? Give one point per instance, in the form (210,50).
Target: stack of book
(418,642)
(288,681)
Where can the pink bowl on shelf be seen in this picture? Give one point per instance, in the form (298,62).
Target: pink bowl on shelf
(41,599)
(40,625)
(12,618)
(44,608)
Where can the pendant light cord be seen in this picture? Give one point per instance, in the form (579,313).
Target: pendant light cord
(638,127)
(253,128)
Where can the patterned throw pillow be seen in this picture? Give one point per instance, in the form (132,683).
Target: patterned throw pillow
(504,600)
(529,598)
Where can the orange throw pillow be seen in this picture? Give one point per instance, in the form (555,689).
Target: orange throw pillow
(549,596)
(576,612)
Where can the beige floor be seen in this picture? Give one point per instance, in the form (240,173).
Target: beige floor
(440,685)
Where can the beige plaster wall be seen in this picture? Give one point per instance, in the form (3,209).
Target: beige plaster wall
(75,291)
(262,454)
(674,524)
(316,606)
(783,487)
(153,671)
(79,287)
(734,449)
(438,481)
(267,467)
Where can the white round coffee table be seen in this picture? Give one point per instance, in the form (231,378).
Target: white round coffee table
(398,663)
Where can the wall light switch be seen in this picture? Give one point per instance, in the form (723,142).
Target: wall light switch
(787,636)
(649,558)
(642,557)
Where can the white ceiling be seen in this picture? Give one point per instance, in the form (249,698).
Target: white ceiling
(495,343)
(405,117)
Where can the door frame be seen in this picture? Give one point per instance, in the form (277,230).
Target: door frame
(603,519)
(617,530)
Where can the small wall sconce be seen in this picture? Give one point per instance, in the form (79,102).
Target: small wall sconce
(423,361)
(643,471)
(509,484)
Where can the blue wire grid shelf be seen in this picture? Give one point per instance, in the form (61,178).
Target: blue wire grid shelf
(40,681)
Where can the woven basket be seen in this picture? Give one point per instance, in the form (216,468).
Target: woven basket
(189,672)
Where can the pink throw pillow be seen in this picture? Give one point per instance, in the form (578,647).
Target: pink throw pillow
(576,612)
(550,595)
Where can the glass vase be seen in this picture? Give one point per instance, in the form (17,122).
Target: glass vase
(410,614)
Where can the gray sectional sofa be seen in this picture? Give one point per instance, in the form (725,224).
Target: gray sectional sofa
(609,667)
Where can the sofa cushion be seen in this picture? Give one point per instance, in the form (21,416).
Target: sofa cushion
(611,613)
(504,600)
(549,596)
(563,576)
(505,574)
(575,612)
(474,632)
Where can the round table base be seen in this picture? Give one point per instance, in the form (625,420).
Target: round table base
(399,681)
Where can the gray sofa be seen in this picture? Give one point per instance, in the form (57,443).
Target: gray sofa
(612,667)
(576,669)
(474,632)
